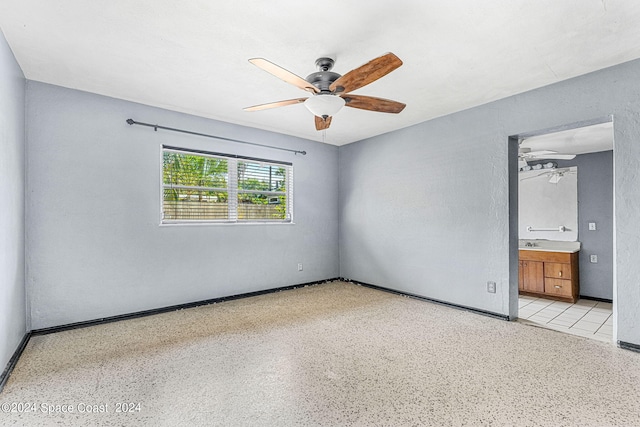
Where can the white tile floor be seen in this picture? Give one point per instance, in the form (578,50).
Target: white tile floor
(586,318)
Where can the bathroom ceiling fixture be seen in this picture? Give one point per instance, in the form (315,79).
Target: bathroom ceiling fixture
(330,91)
(555,178)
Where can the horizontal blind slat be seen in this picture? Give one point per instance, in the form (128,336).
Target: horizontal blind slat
(195,188)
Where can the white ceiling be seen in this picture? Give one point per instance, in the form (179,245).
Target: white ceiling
(191,56)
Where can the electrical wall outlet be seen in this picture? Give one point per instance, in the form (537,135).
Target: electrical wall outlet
(491,287)
(592,226)
(299,266)
(593,258)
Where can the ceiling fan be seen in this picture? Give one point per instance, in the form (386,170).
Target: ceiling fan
(526,154)
(330,91)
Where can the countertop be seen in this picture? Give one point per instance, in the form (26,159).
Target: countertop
(548,246)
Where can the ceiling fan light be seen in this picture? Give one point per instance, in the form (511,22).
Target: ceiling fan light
(555,178)
(522,162)
(324,105)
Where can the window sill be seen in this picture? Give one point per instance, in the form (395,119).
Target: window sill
(221,223)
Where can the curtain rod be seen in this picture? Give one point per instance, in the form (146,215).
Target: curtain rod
(156,127)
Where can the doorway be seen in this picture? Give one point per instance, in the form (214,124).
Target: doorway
(553,235)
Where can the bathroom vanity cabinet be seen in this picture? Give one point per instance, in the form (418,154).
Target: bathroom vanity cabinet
(549,274)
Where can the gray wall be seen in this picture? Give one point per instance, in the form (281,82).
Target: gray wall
(426,209)
(595,204)
(94,245)
(12,265)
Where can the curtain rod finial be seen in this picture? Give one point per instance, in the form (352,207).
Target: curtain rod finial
(130,121)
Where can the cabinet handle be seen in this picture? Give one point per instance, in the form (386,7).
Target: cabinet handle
(557,286)
(560,273)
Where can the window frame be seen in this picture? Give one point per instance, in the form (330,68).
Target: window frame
(232,189)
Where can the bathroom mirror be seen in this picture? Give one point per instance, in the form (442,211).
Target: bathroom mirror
(548,204)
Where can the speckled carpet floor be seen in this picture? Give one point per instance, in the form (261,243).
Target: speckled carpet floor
(335,354)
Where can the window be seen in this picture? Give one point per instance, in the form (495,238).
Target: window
(210,187)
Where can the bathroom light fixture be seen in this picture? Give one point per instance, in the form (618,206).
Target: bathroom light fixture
(522,163)
(324,105)
(556,177)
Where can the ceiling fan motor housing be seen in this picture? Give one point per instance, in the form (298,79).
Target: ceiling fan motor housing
(322,79)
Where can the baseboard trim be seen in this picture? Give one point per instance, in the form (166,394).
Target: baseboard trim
(432,300)
(144,313)
(629,346)
(4,377)
(596,299)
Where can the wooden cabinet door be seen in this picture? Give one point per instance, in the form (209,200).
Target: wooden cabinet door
(520,276)
(533,276)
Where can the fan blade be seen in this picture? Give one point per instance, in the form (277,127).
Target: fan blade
(539,153)
(322,124)
(283,74)
(373,104)
(555,157)
(367,73)
(546,155)
(275,104)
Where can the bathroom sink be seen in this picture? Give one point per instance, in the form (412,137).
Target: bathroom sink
(548,245)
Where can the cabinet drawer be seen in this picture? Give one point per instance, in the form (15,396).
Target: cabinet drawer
(557,270)
(563,257)
(557,287)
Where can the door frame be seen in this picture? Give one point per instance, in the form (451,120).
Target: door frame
(512,152)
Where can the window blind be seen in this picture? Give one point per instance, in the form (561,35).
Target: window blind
(211,187)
